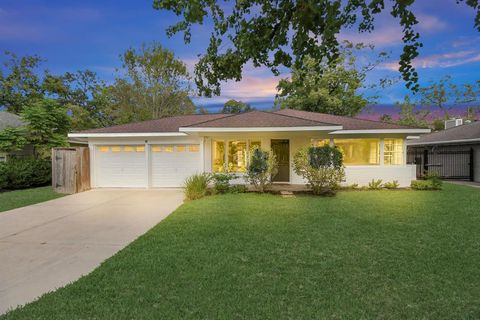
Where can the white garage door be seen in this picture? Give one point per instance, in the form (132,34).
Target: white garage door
(121,166)
(172,164)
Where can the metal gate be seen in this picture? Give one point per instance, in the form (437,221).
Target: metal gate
(448,163)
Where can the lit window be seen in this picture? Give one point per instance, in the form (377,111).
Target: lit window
(180,148)
(156,149)
(237,156)
(103,149)
(167,148)
(320,142)
(393,151)
(116,149)
(193,148)
(140,149)
(128,149)
(359,151)
(255,145)
(218,163)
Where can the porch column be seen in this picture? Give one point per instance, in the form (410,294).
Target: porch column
(382,151)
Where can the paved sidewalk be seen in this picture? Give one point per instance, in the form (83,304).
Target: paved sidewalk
(50,244)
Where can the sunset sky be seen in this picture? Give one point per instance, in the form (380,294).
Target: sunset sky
(75,35)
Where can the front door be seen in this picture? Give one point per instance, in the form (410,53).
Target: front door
(281,149)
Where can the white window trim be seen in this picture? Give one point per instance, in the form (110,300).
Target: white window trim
(225,160)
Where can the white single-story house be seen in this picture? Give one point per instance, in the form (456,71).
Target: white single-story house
(164,152)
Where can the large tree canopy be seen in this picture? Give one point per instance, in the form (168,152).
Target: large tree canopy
(234,106)
(336,89)
(282,32)
(152,84)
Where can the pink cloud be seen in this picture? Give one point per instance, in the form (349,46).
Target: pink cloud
(442,60)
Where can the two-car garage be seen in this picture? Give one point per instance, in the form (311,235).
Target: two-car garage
(141,166)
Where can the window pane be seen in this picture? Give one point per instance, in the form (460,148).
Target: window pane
(128,149)
(359,151)
(156,149)
(255,144)
(218,161)
(193,148)
(393,151)
(237,156)
(103,149)
(167,148)
(116,149)
(180,148)
(140,149)
(320,142)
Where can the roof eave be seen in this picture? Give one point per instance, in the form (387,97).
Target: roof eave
(126,134)
(258,129)
(419,143)
(380,131)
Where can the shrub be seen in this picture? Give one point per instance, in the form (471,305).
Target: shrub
(435,181)
(238,188)
(425,185)
(391,185)
(25,173)
(262,167)
(222,182)
(322,167)
(196,186)
(375,184)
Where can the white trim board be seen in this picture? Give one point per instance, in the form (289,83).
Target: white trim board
(126,135)
(381,131)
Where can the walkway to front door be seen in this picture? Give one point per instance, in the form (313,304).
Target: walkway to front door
(281,149)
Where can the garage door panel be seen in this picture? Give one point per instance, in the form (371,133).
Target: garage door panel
(121,168)
(170,169)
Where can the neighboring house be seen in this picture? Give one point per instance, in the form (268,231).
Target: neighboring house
(10,120)
(453,153)
(163,152)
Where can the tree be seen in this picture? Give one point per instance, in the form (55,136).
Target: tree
(234,106)
(386,118)
(444,94)
(262,167)
(152,84)
(47,124)
(19,82)
(282,33)
(410,115)
(12,139)
(319,86)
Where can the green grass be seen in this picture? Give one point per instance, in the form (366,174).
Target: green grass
(370,254)
(21,198)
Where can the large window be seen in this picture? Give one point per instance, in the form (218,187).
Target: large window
(359,151)
(233,158)
(393,151)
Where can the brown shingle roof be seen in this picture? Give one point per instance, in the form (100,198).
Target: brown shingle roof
(464,132)
(348,123)
(170,124)
(259,119)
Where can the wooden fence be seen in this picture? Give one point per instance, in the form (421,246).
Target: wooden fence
(71,169)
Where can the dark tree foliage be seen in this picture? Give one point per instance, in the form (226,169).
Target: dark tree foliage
(281,33)
(234,106)
(325,156)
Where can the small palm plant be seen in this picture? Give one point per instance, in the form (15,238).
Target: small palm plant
(196,186)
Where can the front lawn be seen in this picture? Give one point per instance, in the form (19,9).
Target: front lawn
(21,198)
(372,254)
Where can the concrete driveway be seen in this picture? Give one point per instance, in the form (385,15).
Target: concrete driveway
(48,245)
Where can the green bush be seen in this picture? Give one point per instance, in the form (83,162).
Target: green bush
(322,167)
(375,184)
(262,168)
(434,180)
(391,185)
(196,186)
(25,173)
(425,185)
(222,182)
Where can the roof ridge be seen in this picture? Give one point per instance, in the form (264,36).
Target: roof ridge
(226,116)
(351,117)
(295,117)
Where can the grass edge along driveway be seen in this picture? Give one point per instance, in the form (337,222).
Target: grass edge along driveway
(20,198)
(372,254)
